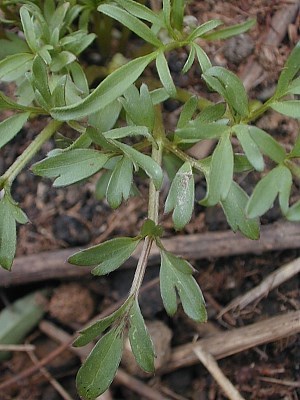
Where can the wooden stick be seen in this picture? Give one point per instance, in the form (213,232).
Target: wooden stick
(53,265)
(210,363)
(273,280)
(236,340)
(17,347)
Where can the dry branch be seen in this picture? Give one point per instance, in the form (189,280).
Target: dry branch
(53,265)
(273,280)
(236,340)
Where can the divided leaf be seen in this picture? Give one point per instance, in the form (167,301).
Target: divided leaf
(108,256)
(277,181)
(70,166)
(181,196)
(176,277)
(140,340)
(99,369)
(234,208)
(120,182)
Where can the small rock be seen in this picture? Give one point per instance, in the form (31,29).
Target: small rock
(238,48)
(71,303)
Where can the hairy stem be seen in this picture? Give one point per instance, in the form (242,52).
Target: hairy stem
(10,175)
(153,206)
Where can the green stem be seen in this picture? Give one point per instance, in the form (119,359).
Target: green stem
(10,175)
(153,206)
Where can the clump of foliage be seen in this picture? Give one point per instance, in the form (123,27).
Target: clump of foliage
(120,132)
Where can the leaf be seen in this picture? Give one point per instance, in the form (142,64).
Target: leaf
(140,11)
(249,146)
(204,28)
(70,166)
(108,255)
(277,181)
(190,60)
(187,112)
(40,79)
(167,13)
(164,74)
(14,66)
(11,126)
(181,196)
(211,113)
(234,208)
(106,117)
(231,30)
(19,318)
(174,276)
(91,332)
(291,108)
(140,341)
(120,183)
(131,22)
(294,87)
(10,213)
(293,213)
(127,131)
(220,174)
(113,86)
(61,60)
(178,13)
(289,71)
(29,29)
(145,162)
(203,59)
(267,144)
(232,89)
(200,131)
(98,371)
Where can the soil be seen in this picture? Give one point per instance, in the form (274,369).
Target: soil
(72,217)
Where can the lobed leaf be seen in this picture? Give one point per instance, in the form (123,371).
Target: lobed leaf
(113,86)
(234,208)
(172,278)
(70,166)
(109,255)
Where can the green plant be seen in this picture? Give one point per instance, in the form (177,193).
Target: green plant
(120,132)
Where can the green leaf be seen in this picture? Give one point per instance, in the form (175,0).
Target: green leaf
(294,87)
(131,22)
(140,341)
(15,66)
(211,113)
(10,213)
(79,78)
(127,131)
(167,13)
(145,162)
(140,11)
(106,117)
(190,60)
(293,213)
(178,13)
(296,149)
(232,88)
(164,74)
(175,275)
(29,29)
(200,131)
(98,371)
(149,228)
(267,144)
(108,255)
(234,208)
(11,126)
(61,60)
(113,86)
(40,79)
(7,104)
(204,28)
(187,112)
(120,183)
(70,166)
(181,196)
(278,181)
(249,146)
(12,45)
(19,318)
(94,330)
(289,71)
(203,59)
(221,172)
(291,108)
(231,31)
